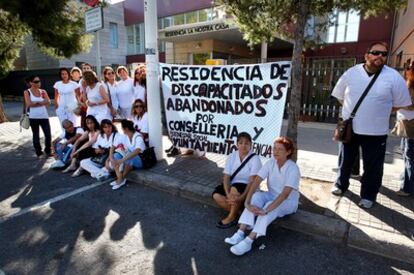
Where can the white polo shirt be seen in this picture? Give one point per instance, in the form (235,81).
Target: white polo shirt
(372,116)
(277,179)
(103,141)
(125,93)
(251,168)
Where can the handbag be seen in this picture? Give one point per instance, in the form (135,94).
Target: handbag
(343,131)
(404,128)
(100,159)
(148,157)
(24,118)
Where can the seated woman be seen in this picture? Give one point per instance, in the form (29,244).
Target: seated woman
(231,194)
(261,208)
(63,145)
(102,145)
(140,119)
(82,148)
(126,161)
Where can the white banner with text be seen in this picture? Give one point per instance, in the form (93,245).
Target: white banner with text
(207,106)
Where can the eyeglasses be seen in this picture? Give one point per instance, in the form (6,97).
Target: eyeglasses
(36,81)
(138,106)
(376,53)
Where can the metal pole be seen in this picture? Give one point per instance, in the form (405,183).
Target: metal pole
(263,53)
(153,85)
(98,55)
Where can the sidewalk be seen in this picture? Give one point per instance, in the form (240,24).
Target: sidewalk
(383,230)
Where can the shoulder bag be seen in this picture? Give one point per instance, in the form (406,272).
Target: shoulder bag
(344,131)
(24,118)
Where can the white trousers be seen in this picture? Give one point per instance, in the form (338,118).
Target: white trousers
(90,166)
(262,200)
(62,115)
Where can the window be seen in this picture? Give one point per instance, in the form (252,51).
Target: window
(135,37)
(130,40)
(113,35)
(345,27)
(191,17)
(179,19)
(168,22)
(202,15)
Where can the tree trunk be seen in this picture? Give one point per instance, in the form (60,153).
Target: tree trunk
(296,93)
(3,117)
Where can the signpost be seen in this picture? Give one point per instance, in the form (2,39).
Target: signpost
(93,23)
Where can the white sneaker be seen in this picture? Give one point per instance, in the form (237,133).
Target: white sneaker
(235,239)
(117,186)
(78,172)
(57,164)
(103,174)
(336,191)
(241,248)
(364,203)
(113,183)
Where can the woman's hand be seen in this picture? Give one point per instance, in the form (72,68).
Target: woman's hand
(73,154)
(99,151)
(113,111)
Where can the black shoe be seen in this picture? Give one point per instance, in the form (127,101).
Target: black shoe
(174,152)
(221,225)
(169,149)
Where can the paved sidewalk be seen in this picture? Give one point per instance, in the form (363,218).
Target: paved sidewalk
(384,230)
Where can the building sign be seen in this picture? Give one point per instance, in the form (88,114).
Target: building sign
(207,106)
(94,19)
(196,30)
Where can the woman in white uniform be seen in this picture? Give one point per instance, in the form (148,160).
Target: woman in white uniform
(96,98)
(65,97)
(101,146)
(140,84)
(36,101)
(231,194)
(261,208)
(125,92)
(140,118)
(111,88)
(133,144)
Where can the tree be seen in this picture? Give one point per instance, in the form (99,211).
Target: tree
(56,26)
(261,20)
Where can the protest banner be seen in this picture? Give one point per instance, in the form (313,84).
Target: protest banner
(207,106)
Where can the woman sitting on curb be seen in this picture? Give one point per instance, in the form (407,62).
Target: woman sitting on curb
(240,170)
(261,208)
(132,144)
(102,146)
(63,145)
(82,151)
(140,118)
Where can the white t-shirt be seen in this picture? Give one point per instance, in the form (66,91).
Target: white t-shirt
(406,114)
(113,92)
(103,141)
(38,112)
(137,142)
(277,179)
(251,168)
(78,130)
(139,92)
(67,95)
(126,93)
(372,116)
(94,95)
(141,124)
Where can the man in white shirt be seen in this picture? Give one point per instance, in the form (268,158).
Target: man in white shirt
(371,121)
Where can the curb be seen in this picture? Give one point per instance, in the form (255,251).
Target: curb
(386,244)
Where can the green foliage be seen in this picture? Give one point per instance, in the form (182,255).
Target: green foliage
(263,20)
(57,26)
(12,34)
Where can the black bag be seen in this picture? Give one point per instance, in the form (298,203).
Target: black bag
(148,157)
(100,159)
(343,131)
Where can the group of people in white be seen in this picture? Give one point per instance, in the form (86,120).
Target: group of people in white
(90,142)
(86,108)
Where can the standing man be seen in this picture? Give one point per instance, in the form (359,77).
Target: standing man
(371,122)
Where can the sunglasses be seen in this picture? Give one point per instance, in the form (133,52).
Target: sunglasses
(376,53)
(138,106)
(110,73)
(36,81)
